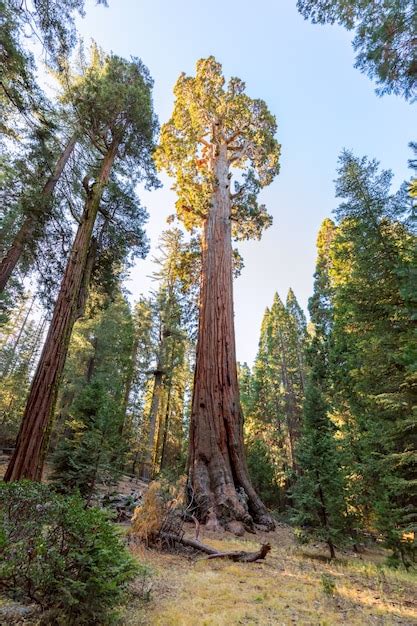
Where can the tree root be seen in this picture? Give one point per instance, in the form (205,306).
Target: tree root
(240,556)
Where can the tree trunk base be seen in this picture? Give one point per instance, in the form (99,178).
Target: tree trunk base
(227,504)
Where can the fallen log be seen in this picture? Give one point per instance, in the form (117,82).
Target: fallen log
(240,556)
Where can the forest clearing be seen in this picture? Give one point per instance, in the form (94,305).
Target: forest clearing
(294,585)
(208,306)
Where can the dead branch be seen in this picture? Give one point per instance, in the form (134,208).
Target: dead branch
(241,556)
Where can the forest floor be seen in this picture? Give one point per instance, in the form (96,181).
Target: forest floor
(293,585)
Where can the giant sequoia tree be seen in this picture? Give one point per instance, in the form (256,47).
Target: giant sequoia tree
(113,101)
(216,129)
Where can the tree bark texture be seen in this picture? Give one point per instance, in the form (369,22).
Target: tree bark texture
(26,230)
(217,466)
(27,460)
(148,466)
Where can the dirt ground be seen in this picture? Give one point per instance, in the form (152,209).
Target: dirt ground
(295,585)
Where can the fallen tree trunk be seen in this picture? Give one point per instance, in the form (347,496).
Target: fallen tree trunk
(241,556)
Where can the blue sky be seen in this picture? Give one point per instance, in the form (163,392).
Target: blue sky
(305,74)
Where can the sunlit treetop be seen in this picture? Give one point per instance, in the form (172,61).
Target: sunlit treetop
(112,101)
(210,113)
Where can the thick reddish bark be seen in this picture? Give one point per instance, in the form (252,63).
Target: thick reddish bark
(28,457)
(26,230)
(217,466)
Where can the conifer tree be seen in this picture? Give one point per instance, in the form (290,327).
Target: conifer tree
(279,376)
(173,308)
(215,128)
(384,38)
(17,360)
(113,98)
(267,411)
(318,494)
(374,333)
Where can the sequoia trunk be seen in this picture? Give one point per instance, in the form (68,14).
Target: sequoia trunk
(218,475)
(28,457)
(25,232)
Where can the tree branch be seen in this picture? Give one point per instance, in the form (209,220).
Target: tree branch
(235,135)
(204,142)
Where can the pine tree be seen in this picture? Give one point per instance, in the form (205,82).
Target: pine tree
(214,129)
(173,308)
(17,360)
(279,377)
(35,209)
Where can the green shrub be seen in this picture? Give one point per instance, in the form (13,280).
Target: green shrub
(328,584)
(55,552)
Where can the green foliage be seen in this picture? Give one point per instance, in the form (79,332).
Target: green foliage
(112,100)
(209,112)
(373,358)
(328,584)
(21,339)
(319,492)
(51,21)
(93,406)
(263,472)
(55,552)
(384,38)
(273,395)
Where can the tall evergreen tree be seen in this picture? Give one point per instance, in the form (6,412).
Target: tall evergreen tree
(318,496)
(374,333)
(18,356)
(174,310)
(35,208)
(279,377)
(113,98)
(214,129)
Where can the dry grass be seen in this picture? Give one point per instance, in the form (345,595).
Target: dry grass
(285,589)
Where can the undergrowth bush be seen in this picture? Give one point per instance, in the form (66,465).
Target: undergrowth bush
(163,504)
(60,555)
